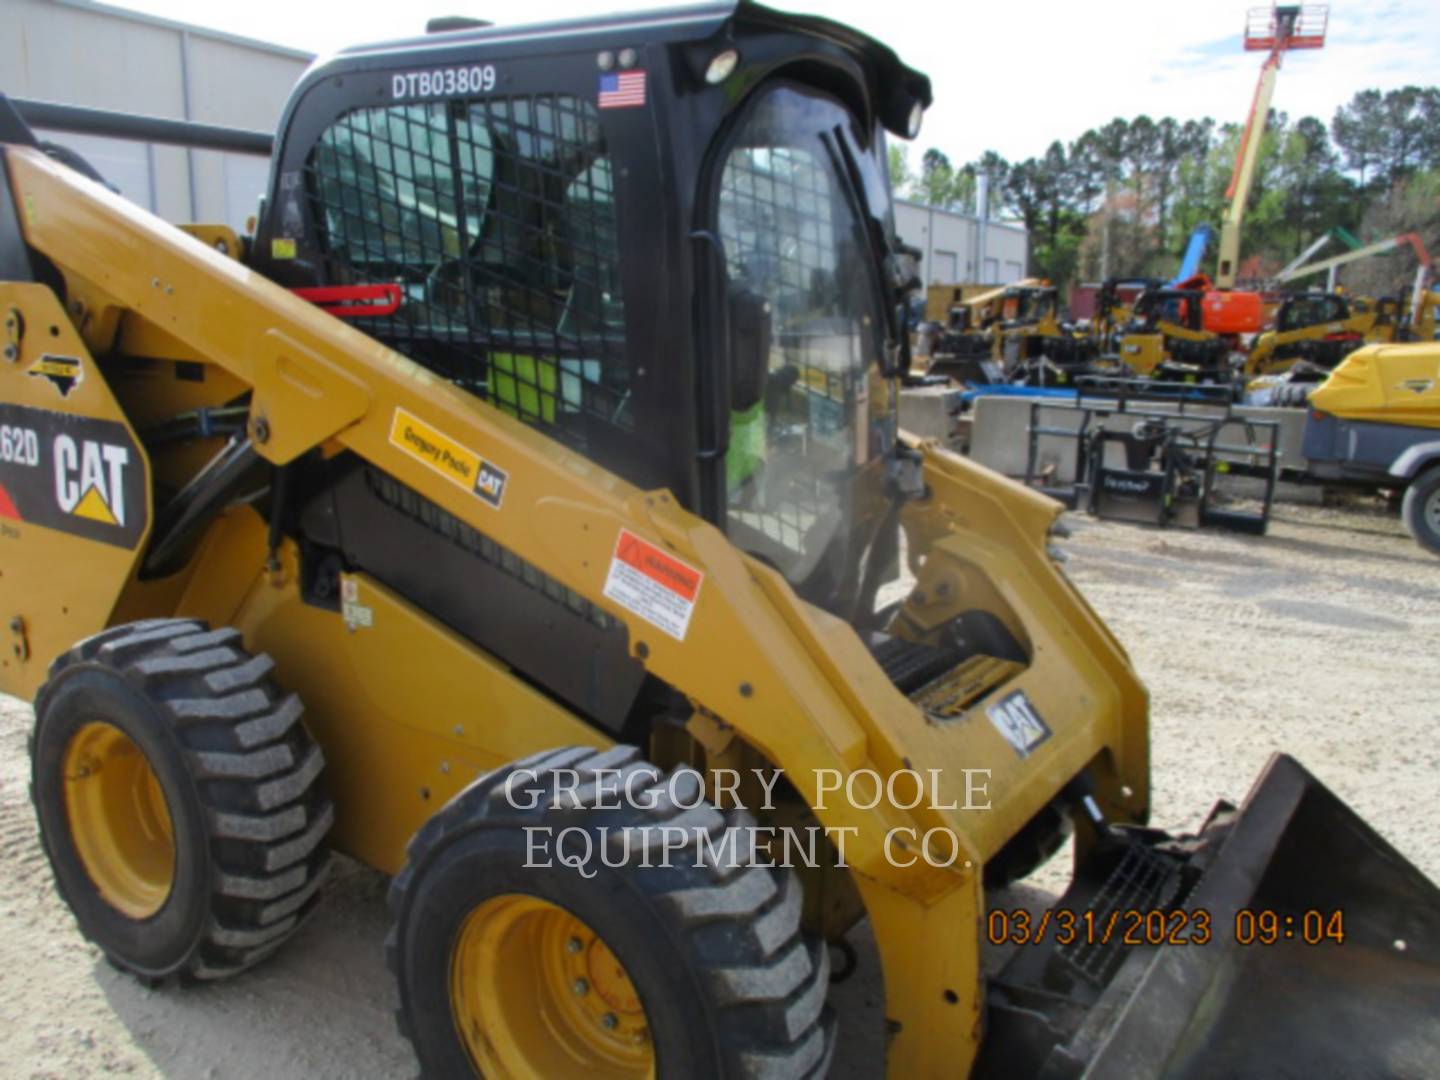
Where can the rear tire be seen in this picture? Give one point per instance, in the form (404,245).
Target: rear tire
(1421,509)
(179,799)
(718,980)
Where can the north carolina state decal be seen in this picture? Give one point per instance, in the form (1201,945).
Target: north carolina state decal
(64,372)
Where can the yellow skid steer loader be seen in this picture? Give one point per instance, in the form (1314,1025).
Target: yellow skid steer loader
(521,510)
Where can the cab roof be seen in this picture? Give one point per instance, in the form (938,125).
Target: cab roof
(679,24)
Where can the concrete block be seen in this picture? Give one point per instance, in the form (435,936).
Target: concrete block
(928,411)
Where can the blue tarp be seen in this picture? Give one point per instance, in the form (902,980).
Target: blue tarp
(1001,390)
(1161,392)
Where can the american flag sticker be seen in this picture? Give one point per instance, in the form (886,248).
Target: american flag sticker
(622,90)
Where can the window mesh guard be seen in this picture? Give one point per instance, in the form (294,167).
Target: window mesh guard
(497,219)
(777,215)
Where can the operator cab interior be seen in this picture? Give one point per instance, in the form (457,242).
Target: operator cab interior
(1304,310)
(683,268)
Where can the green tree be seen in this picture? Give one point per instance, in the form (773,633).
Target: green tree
(900,175)
(1086,172)
(1140,151)
(1405,131)
(1430,143)
(1413,205)
(1122,198)
(933,185)
(962,189)
(1320,196)
(994,169)
(1024,194)
(941,184)
(1358,129)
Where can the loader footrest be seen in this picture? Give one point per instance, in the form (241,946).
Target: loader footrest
(1142,881)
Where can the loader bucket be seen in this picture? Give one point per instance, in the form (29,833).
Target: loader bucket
(1303,1006)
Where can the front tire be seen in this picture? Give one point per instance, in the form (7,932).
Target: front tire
(179,799)
(1421,509)
(509,967)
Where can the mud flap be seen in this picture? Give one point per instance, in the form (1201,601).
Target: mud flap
(1367,1006)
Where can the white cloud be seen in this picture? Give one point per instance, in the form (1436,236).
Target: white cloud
(1008,76)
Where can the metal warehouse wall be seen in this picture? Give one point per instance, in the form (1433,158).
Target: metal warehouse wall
(951,247)
(80,53)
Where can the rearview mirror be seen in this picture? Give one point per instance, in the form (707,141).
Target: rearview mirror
(902,266)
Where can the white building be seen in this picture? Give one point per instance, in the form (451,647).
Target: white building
(961,248)
(74,52)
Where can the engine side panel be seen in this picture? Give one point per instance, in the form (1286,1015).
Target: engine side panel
(74,489)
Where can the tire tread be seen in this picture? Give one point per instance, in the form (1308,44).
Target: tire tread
(256,771)
(767,996)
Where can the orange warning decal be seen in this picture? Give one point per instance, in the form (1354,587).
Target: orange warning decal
(658,587)
(656,565)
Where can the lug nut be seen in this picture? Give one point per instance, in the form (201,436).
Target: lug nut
(581,987)
(609,1022)
(574,945)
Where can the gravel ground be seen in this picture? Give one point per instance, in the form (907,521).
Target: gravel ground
(1319,639)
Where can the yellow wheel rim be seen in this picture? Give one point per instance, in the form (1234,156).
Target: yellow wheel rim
(119,820)
(537,993)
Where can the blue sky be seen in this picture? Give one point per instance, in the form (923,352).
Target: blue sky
(1009,76)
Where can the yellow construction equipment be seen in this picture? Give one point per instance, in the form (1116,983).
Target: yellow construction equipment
(1318,330)
(1031,343)
(1375,422)
(521,510)
(971,321)
(939,299)
(1018,329)
(1321,329)
(1181,333)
